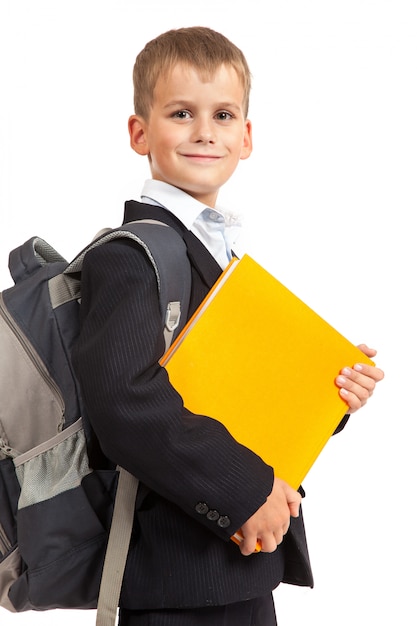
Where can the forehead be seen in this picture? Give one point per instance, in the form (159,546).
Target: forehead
(182,81)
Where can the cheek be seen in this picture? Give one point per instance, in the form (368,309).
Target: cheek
(167,147)
(237,144)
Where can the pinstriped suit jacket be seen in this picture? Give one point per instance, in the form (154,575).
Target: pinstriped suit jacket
(198,485)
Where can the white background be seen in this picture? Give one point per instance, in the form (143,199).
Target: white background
(332,178)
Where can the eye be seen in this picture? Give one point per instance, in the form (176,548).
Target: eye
(224,116)
(183,114)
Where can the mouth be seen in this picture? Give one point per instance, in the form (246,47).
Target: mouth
(201,158)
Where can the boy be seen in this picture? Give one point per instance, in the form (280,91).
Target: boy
(191,103)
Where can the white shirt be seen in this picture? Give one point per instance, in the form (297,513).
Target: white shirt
(217,229)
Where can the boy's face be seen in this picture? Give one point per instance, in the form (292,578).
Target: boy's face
(196,132)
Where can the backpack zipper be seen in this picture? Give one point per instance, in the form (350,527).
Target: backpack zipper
(33,357)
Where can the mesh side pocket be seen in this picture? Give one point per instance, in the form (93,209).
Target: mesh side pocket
(54,467)
(62,518)
(62,543)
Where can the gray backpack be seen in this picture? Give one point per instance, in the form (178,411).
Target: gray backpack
(56,513)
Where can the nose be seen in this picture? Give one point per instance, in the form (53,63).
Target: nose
(204,130)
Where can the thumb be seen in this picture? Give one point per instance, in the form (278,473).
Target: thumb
(294,508)
(293,501)
(366,350)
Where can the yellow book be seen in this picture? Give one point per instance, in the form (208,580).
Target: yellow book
(257,358)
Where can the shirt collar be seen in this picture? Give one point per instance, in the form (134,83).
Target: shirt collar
(184,206)
(181,204)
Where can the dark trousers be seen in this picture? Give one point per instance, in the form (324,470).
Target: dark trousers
(257,612)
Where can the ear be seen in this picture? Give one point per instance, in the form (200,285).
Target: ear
(138,134)
(247,141)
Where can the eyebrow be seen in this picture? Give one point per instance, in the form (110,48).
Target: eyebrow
(188,103)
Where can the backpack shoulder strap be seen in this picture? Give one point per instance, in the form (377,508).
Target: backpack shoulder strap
(166,251)
(117,548)
(168,254)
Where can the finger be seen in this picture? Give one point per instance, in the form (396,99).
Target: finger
(249,545)
(271,543)
(294,508)
(362,390)
(353,401)
(364,375)
(357,384)
(368,370)
(353,381)
(355,394)
(366,350)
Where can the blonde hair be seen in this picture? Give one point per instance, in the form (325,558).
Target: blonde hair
(199,47)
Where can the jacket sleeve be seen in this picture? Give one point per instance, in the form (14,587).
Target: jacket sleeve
(138,417)
(342,424)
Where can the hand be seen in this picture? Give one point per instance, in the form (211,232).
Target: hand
(271,521)
(357,384)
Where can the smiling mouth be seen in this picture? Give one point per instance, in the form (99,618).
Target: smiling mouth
(202,158)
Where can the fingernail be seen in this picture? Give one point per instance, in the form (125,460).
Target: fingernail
(358,367)
(346,370)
